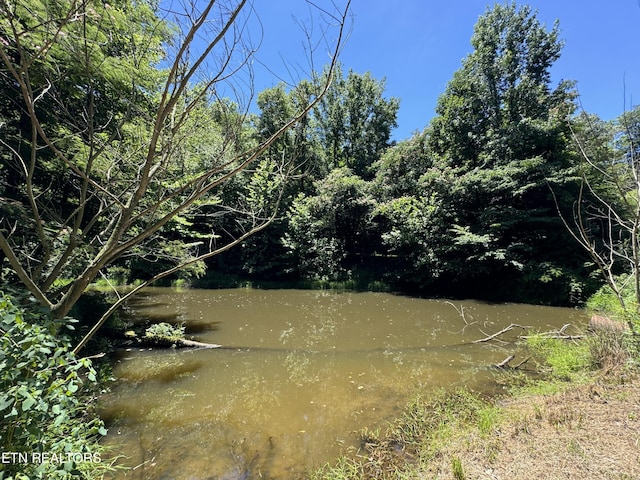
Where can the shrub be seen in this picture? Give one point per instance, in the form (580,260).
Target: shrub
(605,301)
(43,400)
(610,349)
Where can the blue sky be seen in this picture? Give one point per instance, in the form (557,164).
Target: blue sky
(417,45)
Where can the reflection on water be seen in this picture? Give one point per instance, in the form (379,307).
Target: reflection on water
(300,374)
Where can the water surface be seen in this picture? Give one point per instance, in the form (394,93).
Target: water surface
(301,373)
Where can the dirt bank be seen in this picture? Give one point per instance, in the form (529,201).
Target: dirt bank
(587,432)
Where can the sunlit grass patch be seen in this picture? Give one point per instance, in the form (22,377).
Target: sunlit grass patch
(561,359)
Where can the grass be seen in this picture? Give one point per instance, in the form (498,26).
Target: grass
(561,359)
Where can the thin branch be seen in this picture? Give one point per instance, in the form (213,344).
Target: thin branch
(501,332)
(23,275)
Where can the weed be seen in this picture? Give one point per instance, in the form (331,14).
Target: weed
(575,448)
(488,419)
(424,429)
(457,470)
(609,349)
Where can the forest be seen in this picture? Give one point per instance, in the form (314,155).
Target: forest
(131,155)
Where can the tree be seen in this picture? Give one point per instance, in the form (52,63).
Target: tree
(355,122)
(108,98)
(481,214)
(328,231)
(606,217)
(348,131)
(488,113)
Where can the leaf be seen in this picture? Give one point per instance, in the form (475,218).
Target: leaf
(27,403)
(6,402)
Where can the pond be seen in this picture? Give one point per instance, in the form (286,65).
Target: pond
(300,374)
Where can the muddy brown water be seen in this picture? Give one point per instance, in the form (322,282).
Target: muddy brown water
(301,373)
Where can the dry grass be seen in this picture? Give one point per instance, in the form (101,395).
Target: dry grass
(587,432)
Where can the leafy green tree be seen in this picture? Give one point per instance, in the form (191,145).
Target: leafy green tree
(355,122)
(483,219)
(328,231)
(108,100)
(350,128)
(495,106)
(296,155)
(400,168)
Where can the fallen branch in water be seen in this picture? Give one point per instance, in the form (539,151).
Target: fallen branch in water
(504,365)
(462,315)
(558,334)
(166,335)
(193,344)
(505,362)
(497,334)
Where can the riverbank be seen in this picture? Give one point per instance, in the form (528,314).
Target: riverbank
(589,431)
(576,415)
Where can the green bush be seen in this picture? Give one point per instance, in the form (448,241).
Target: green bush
(46,431)
(606,301)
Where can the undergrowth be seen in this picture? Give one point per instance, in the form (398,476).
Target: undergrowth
(47,430)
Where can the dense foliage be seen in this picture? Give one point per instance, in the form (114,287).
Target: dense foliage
(43,400)
(469,206)
(482,216)
(127,145)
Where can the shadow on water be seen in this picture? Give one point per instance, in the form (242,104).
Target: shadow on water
(299,374)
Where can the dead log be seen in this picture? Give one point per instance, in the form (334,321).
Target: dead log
(166,342)
(183,342)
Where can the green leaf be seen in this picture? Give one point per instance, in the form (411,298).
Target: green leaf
(6,402)
(27,403)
